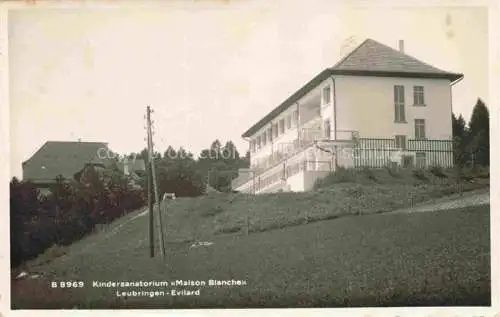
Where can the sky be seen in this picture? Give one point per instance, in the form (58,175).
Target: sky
(209,69)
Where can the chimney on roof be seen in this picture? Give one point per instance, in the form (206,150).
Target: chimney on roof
(402,46)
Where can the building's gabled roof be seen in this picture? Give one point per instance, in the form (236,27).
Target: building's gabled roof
(63,158)
(370,58)
(376,57)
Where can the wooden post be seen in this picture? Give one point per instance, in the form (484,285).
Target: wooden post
(150,199)
(153,177)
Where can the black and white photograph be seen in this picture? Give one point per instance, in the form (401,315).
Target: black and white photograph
(248,154)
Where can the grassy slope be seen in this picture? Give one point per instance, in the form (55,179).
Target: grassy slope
(124,255)
(346,193)
(440,258)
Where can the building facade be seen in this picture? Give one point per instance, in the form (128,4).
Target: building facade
(376,107)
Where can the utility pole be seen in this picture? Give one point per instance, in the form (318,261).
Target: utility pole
(151,216)
(153,178)
(150,191)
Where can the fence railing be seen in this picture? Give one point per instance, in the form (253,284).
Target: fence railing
(369,152)
(362,152)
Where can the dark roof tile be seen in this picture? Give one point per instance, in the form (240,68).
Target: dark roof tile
(374,56)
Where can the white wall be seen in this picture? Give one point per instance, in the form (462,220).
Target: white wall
(310,178)
(296,182)
(366,104)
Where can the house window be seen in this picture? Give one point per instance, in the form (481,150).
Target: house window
(264,138)
(295,117)
(282,126)
(252,146)
(327,129)
(326,95)
(401,142)
(420,160)
(270,134)
(258,142)
(418,95)
(289,121)
(275,130)
(399,103)
(419,129)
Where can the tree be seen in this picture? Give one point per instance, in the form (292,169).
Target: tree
(170,153)
(215,149)
(479,134)
(143,155)
(229,152)
(460,140)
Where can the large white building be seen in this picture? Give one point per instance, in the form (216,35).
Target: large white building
(376,106)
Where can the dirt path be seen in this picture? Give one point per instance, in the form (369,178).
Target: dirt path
(473,198)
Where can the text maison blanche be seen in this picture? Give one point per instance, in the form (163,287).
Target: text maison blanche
(209,283)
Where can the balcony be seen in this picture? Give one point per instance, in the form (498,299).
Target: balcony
(308,138)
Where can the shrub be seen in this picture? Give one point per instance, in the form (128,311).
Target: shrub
(369,174)
(66,215)
(340,175)
(437,171)
(393,171)
(480,172)
(420,175)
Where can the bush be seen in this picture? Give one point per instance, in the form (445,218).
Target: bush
(437,171)
(480,172)
(369,174)
(340,175)
(420,175)
(393,171)
(70,212)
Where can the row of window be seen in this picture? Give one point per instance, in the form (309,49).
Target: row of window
(399,101)
(274,131)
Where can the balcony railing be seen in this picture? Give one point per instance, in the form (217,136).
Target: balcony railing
(308,136)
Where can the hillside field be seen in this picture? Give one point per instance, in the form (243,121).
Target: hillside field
(336,246)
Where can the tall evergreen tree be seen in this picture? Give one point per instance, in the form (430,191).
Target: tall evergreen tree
(479,134)
(215,150)
(460,139)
